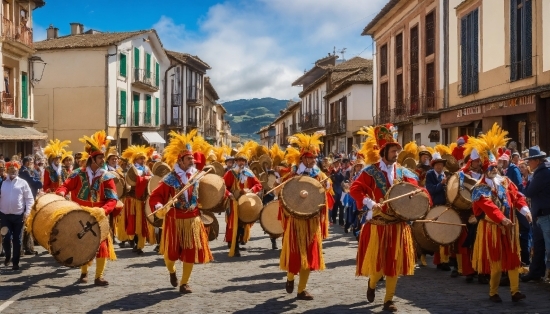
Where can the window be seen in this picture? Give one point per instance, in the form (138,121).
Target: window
(157,74)
(136,57)
(430,85)
(147,118)
(469,53)
(399,108)
(135,121)
(521,39)
(148,65)
(399,51)
(384,60)
(122,65)
(157,111)
(122,106)
(430,33)
(414,93)
(24,96)
(384,100)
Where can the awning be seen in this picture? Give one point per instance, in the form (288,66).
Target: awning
(153,137)
(457,124)
(20,133)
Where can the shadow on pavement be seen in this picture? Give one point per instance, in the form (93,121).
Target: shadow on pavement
(342,263)
(138,301)
(271,306)
(345,308)
(267,276)
(64,291)
(252,288)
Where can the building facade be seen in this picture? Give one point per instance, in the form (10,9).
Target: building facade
(409,67)
(499,70)
(22,72)
(103,81)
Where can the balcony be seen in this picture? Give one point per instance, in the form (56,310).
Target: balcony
(145,80)
(192,123)
(142,119)
(293,128)
(210,130)
(403,111)
(311,121)
(8,107)
(19,34)
(194,96)
(177,100)
(337,127)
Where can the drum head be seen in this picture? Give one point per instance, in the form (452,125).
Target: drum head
(211,191)
(206,219)
(131,176)
(153,219)
(65,244)
(218,168)
(409,163)
(153,183)
(271,180)
(265,161)
(263,179)
(250,206)
(452,164)
(120,187)
(408,208)
(303,197)
(160,169)
(440,233)
(44,199)
(256,168)
(452,188)
(214,228)
(269,219)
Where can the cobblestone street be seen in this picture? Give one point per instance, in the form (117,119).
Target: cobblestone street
(250,284)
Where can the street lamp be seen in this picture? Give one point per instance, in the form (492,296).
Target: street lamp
(121,119)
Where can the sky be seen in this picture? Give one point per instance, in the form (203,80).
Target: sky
(256,48)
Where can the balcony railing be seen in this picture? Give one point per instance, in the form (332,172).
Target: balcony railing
(177,99)
(337,126)
(210,130)
(311,120)
(147,79)
(8,107)
(293,128)
(192,122)
(19,33)
(142,119)
(194,95)
(411,107)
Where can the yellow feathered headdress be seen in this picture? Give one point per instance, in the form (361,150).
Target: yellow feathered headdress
(67,154)
(180,145)
(201,145)
(136,151)
(369,148)
(292,156)
(96,144)
(56,148)
(443,149)
(308,145)
(218,153)
(276,154)
(487,145)
(112,151)
(245,151)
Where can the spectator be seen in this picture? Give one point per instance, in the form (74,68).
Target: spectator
(525,173)
(15,205)
(539,193)
(515,158)
(337,177)
(28,174)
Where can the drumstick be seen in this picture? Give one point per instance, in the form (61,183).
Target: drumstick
(280,185)
(441,222)
(409,194)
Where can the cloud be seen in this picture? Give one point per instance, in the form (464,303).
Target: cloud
(259,48)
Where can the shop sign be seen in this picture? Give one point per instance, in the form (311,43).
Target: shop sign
(468,111)
(514,102)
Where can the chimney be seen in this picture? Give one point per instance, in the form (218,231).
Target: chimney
(52,32)
(77,28)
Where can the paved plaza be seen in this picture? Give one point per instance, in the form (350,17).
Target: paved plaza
(252,283)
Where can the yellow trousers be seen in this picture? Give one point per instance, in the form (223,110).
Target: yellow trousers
(187,269)
(496,273)
(391,285)
(100,264)
(302,283)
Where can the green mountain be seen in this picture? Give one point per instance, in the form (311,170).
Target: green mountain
(248,116)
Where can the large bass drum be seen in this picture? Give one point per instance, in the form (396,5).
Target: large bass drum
(212,193)
(407,208)
(458,192)
(269,220)
(442,234)
(303,197)
(72,234)
(250,206)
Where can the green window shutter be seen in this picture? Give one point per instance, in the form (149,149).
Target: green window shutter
(157,74)
(136,110)
(148,110)
(122,105)
(157,111)
(122,65)
(148,65)
(136,58)
(25,97)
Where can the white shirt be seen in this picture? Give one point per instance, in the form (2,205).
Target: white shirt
(92,175)
(16,197)
(183,176)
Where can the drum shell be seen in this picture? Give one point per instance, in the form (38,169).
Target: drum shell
(50,213)
(152,219)
(292,201)
(459,196)
(269,220)
(250,206)
(422,239)
(212,229)
(442,234)
(153,183)
(407,208)
(211,193)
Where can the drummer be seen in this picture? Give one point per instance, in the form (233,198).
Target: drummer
(239,181)
(302,249)
(384,236)
(423,165)
(120,220)
(184,237)
(104,197)
(134,202)
(52,173)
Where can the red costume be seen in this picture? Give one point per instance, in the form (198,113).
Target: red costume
(51,179)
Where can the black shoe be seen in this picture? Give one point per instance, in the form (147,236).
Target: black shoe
(7,261)
(470,278)
(228,245)
(29,252)
(16,267)
(527,277)
(518,296)
(122,244)
(242,243)
(455,273)
(495,298)
(157,248)
(274,246)
(237,253)
(444,267)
